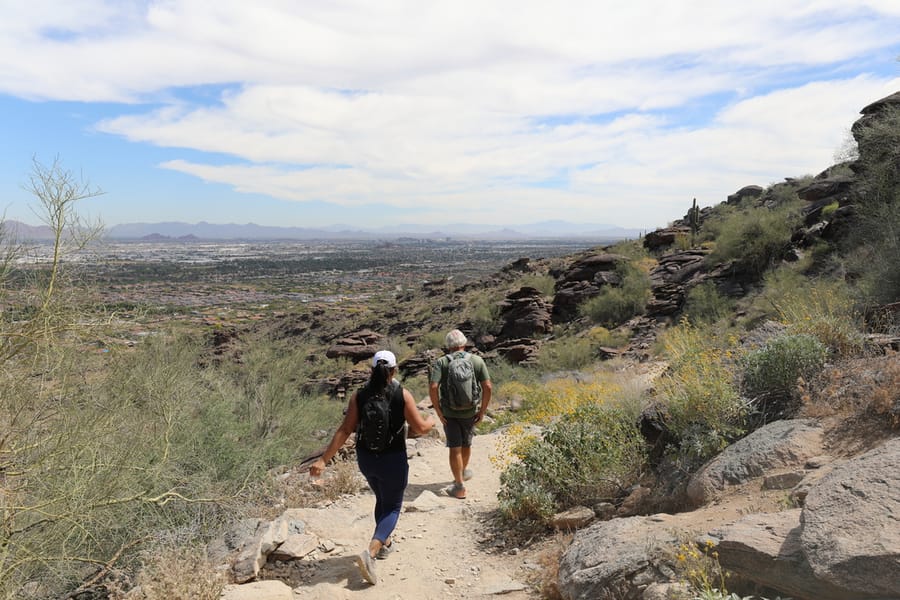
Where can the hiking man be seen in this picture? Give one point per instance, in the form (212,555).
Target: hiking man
(460,391)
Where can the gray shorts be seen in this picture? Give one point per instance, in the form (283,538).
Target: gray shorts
(459,432)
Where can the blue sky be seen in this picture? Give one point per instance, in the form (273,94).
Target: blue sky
(363,113)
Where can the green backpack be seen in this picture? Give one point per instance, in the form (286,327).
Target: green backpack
(461,391)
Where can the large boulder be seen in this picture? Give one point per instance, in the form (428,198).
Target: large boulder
(851,524)
(665,237)
(525,314)
(357,346)
(617,559)
(766,549)
(748,191)
(788,443)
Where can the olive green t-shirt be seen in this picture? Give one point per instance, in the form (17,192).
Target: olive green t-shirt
(439,373)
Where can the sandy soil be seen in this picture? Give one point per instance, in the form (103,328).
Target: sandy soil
(444,546)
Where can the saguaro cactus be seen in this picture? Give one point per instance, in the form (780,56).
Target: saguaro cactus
(694,222)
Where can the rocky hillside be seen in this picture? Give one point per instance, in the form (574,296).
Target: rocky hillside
(824,471)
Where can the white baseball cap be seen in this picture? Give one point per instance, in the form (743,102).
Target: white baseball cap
(387,356)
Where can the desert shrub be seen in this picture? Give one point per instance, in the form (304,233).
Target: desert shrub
(564,395)
(773,370)
(522,497)
(484,316)
(632,249)
(705,411)
(874,257)
(682,241)
(601,336)
(829,209)
(431,340)
(566,353)
(755,237)
(704,304)
(543,401)
(875,236)
(504,371)
(342,478)
(588,455)
(698,567)
(544,283)
(177,572)
(825,310)
(820,307)
(92,477)
(616,304)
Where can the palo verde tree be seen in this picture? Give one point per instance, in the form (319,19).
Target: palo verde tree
(94,468)
(36,446)
(40,308)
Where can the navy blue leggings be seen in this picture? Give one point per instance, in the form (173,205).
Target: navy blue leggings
(387,475)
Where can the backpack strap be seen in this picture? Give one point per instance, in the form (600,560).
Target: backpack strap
(397,402)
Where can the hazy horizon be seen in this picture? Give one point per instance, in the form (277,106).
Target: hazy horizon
(307,114)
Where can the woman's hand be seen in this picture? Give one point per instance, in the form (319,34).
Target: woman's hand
(317,468)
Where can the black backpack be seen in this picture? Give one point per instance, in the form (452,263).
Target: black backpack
(375,431)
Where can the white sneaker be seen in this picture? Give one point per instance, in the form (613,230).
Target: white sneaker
(468,474)
(367,566)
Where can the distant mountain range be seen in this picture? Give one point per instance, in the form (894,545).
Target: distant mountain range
(170,231)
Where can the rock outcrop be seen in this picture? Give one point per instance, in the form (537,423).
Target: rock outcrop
(779,445)
(843,544)
(583,280)
(357,346)
(617,559)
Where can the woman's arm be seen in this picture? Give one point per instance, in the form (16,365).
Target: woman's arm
(347,426)
(417,424)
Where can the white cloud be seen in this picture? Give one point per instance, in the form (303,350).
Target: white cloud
(620,111)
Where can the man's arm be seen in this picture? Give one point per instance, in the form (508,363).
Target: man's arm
(486,389)
(434,393)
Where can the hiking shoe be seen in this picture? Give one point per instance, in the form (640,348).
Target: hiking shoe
(384,551)
(468,474)
(367,567)
(457,490)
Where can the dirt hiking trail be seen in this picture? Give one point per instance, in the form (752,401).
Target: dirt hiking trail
(444,547)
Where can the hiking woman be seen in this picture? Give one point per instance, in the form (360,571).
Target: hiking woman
(383,462)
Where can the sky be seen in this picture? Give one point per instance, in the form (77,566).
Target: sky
(372,114)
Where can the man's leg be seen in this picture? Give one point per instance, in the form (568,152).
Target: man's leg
(465,453)
(457,463)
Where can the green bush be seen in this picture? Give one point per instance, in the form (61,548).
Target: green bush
(616,304)
(829,209)
(524,498)
(586,456)
(566,354)
(774,369)
(755,237)
(544,283)
(704,304)
(698,392)
(874,238)
(820,307)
